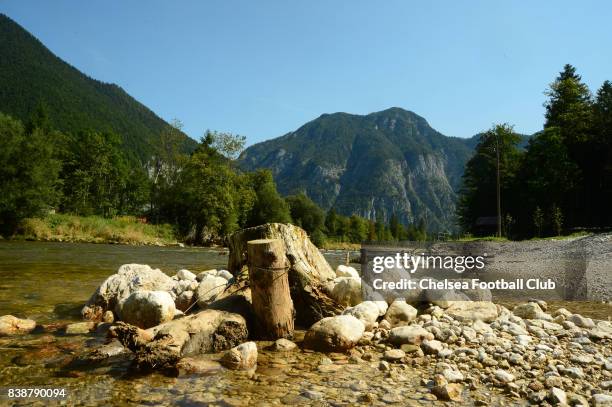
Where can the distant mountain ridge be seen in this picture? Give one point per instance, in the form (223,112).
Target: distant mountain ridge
(375,165)
(31,74)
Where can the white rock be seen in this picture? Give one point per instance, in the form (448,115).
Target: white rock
(412,334)
(200,276)
(514,329)
(225,274)
(431,347)
(602,399)
(528,310)
(347,291)
(481,327)
(393,355)
(531,310)
(367,312)
(11,325)
(444,298)
(334,334)
(558,396)
(382,307)
(185,274)
(146,309)
(284,345)
(184,300)
(400,313)
(453,376)
(504,376)
(524,339)
(241,357)
(562,312)
(128,279)
(210,287)
(582,322)
(473,311)
(346,271)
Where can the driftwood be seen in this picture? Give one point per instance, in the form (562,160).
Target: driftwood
(270,288)
(161,347)
(308,269)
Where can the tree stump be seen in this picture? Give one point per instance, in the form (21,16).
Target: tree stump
(308,269)
(269,284)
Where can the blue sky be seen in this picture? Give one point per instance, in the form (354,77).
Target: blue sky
(263,68)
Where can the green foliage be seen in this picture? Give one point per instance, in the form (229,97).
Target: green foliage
(556,220)
(95,176)
(305,213)
(269,205)
(230,145)
(31,75)
(569,106)
(209,197)
(479,191)
(28,173)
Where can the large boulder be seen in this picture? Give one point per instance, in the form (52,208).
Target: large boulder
(308,270)
(11,325)
(162,346)
(241,357)
(334,334)
(146,309)
(209,289)
(367,312)
(116,288)
(400,313)
(473,311)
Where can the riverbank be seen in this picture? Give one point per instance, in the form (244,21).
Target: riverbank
(94,229)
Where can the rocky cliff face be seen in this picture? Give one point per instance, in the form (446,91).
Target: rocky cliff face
(375,165)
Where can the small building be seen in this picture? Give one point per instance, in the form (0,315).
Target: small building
(486,226)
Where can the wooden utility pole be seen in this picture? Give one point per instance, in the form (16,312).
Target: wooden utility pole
(499,219)
(269,283)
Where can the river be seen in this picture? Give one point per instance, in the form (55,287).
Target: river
(50,282)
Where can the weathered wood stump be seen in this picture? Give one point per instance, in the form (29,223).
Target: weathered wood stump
(270,288)
(308,269)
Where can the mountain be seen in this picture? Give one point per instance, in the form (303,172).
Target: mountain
(30,74)
(374,165)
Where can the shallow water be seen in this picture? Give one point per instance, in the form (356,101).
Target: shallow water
(49,282)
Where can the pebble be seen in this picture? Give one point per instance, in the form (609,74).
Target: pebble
(581,321)
(431,347)
(448,392)
(394,355)
(558,396)
(453,376)
(504,376)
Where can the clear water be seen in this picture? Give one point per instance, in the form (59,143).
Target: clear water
(50,282)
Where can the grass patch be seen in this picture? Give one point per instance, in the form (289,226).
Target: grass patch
(480,239)
(95,229)
(331,245)
(574,235)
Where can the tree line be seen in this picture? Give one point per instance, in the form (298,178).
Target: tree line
(561,181)
(202,194)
